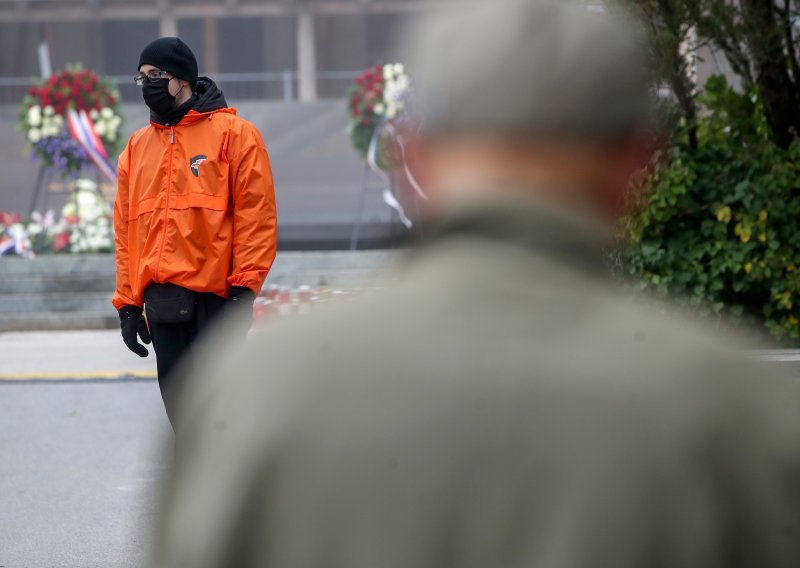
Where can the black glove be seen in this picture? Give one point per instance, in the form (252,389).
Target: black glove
(132,322)
(240,296)
(240,302)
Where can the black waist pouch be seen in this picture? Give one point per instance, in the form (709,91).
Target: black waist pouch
(168,303)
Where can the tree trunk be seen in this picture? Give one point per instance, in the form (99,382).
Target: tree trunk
(778,92)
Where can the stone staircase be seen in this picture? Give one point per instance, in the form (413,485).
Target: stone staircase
(57,292)
(66,292)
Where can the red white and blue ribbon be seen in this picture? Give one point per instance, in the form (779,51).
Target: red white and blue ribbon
(401,144)
(84,132)
(15,241)
(372,159)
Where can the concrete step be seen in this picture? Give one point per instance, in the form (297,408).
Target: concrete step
(53,283)
(61,292)
(336,269)
(364,278)
(56,303)
(57,264)
(49,321)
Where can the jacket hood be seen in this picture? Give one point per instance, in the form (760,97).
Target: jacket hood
(207,97)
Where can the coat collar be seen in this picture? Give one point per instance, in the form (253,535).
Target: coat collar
(567,235)
(206,100)
(193,117)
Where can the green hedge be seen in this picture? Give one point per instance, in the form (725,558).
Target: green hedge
(720,226)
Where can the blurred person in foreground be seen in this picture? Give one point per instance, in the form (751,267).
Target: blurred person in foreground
(504,404)
(194,217)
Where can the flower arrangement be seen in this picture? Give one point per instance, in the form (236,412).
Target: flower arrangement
(43,118)
(378,96)
(90,219)
(85,226)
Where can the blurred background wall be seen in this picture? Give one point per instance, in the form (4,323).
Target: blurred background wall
(285,64)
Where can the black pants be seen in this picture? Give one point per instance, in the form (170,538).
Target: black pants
(173,341)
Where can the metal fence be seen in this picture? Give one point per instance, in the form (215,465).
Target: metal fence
(237,86)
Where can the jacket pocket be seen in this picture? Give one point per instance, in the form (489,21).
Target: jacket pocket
(168,303)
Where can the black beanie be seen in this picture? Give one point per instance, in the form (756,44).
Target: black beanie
(172,55)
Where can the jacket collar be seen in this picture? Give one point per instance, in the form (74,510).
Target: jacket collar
(569,236)
(206,100)
(193,116)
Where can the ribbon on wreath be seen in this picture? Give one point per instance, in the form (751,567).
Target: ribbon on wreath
(83,131)
(15,241)
(372,159)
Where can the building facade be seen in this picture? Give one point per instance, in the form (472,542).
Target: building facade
(274,49)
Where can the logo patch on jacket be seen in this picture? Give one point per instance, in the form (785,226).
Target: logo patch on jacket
(195,164)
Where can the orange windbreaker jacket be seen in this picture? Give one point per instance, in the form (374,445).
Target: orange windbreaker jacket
(195,207)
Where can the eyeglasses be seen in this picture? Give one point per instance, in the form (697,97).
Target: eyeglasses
(150,76)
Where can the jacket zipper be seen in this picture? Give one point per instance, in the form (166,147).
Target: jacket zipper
(166,205)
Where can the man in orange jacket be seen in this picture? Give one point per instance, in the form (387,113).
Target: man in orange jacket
(195,215)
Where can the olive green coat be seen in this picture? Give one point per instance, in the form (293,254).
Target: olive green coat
(501,405)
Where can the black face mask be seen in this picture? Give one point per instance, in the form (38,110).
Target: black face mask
(157,96)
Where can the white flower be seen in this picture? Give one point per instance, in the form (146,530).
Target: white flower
(69,210)
(34,135)
(49,111)
(100,127)
(59,120)
(387,72)
(34,229)
(399,69)
(49,219)
(49,131)
(93,114)
(107,113)
(35,115)
(380,108)
(402,83)
(116,122)
(86,185)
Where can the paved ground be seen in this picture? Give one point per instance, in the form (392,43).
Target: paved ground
(70,355)
(81,461)
(80,465)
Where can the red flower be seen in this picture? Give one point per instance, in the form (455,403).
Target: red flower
(365,122)
(61,241)
(7,218)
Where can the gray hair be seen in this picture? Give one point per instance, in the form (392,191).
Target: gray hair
(529,68)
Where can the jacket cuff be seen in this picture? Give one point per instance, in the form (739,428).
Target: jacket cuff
(241,294)
(126,312)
